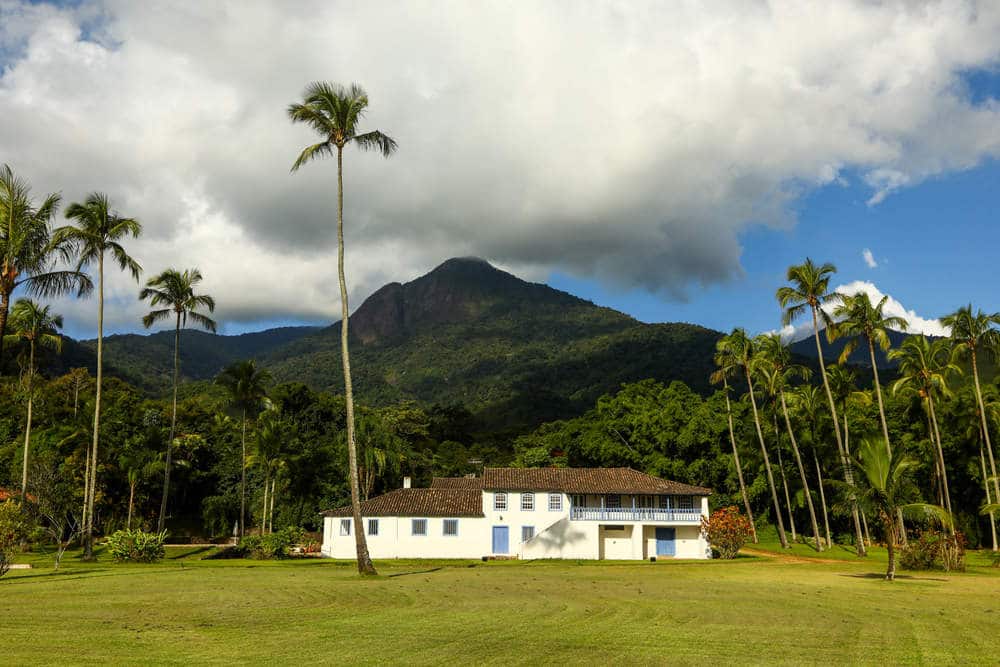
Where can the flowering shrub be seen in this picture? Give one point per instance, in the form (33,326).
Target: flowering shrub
(726,530)
(13,528)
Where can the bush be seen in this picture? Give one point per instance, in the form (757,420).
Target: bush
(13,529)
(135,546)
(934,550)
(272,545)
(726,530)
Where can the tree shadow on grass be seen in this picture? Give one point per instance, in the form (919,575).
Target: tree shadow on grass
(404,574)
(905,577)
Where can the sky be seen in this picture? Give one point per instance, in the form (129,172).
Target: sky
(670,160)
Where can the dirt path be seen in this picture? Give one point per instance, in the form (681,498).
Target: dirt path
(791,558)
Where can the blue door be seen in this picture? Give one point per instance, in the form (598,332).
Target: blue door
(501,539)
(665,545)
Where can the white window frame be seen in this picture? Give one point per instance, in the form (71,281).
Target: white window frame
(685,502)
(527,528)
(444,528)
(618,501)
(500,501)
(345,527)
(527,502)
(413,527)
(373,523)
(555,502)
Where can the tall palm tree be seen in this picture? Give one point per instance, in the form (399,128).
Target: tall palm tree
(175,290)
(739,348)
(925,365)
(727,366)
(809,291)
(267,454)
(98,232)
(858,318)
(247,388)
(887,489)
(844,386)
(39,326)
(774,362)
(334,112)
(973,335)
(27,252)
(809,401)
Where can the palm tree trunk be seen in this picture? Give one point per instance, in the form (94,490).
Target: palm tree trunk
(131,502)
(940,454)
(822,499)
(270,513)
(848,474)
(88,542)
(864,522)
(4,311)
(365,565)
(885,425)
(784,480)
(27,425)
(173,428)
(802,474)
(890,544)
(767,464)
(989,499)
(736,461)
(263,511)
(986,428)
(243,476)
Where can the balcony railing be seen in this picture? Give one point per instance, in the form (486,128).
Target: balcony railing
(636,514)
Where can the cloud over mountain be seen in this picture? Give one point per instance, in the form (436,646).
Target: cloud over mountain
(632,143)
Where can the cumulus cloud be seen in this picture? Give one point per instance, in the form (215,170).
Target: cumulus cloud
(632,143)
(893,308)
(869,258)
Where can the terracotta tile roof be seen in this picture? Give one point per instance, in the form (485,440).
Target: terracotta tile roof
(584,480)
(420,502)
(457,483)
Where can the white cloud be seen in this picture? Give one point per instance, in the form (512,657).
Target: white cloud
(631,143)
(869,258)
(893,308)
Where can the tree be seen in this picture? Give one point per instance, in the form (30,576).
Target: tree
(887,488)
(726,531)
(28,253)
(972,335)
(857,318)
(39,326)
(269,443)
(728,366)
(809,291)
(925,365)
(843,385)
(175,290)
(99,231)
(247,388)
(774,363)
(739,349)
(808,400)
(333,112)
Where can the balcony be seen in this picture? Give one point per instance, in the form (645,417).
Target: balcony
(635,514)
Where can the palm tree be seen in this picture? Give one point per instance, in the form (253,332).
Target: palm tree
(175,290)
(267,454)
(39,326)
(857,318)
(333,112)
(99,231)
(774,362)
(727,366)
(886,491)
(247,388)
(809,291)
(843,385)
(925,366)
(808,399)
(27,251)
(739,349)
(973,334)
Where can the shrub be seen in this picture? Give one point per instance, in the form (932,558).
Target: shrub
(135,546)
(726,530)
(13,529)
(272,545)
(934,550)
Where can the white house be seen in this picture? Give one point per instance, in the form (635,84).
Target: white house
(585,513)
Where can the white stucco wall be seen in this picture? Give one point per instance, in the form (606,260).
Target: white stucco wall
(541,518)
(395,539)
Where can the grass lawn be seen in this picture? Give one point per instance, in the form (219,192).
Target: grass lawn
(751,610)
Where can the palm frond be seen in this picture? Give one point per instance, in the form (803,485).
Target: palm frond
(376,141)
